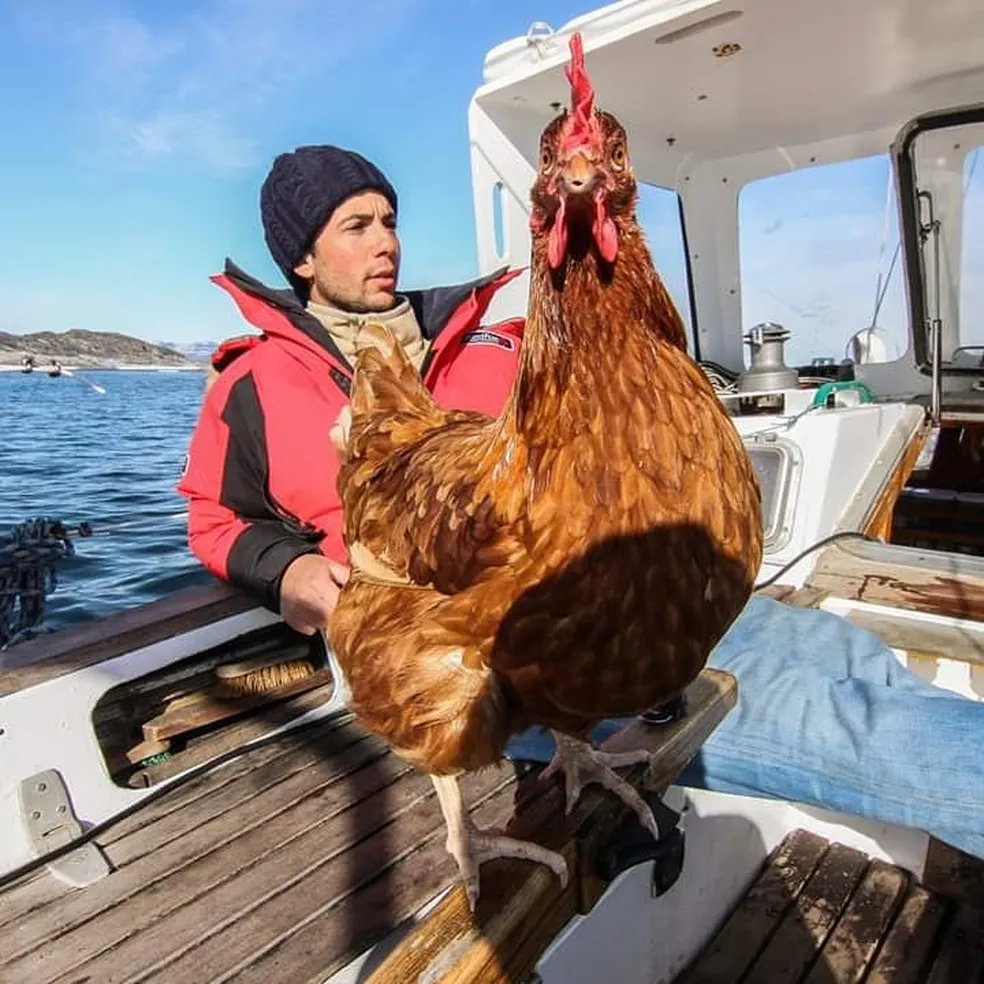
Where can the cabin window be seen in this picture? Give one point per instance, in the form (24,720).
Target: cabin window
(499,219)
(660,217)
(972,254)
(820,255)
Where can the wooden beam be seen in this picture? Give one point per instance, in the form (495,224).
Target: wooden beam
(879,521)
(925,640)
(941,592)
(59,653)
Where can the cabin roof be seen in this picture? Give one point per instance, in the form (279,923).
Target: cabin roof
(803,71)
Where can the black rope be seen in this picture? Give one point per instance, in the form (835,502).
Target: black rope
(29,554)
(833,537)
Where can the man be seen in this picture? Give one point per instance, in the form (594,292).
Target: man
(824,708)
(263,511)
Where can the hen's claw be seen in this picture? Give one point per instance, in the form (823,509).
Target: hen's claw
(581,765)
(475,846)
(470,846)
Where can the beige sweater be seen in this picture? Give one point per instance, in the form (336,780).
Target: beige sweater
(344,328)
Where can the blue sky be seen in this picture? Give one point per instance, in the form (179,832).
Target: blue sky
(136,135)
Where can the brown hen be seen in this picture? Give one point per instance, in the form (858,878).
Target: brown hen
(577,557)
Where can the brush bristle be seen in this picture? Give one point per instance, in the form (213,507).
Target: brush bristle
(265,679)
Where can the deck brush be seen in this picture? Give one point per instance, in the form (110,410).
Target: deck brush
(260,675)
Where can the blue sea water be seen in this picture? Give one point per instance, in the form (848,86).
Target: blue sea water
(71,453)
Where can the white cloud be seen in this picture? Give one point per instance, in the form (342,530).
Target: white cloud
(190,81)
(205,137)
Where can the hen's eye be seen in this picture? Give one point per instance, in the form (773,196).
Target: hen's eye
(546,159)
(618,157)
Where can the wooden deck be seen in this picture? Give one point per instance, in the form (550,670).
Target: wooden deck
(823,913)
(300,855)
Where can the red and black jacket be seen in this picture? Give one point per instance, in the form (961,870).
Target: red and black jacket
(261,469)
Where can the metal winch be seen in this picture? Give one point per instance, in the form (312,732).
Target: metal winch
(768,372)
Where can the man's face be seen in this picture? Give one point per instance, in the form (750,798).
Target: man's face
(355,261)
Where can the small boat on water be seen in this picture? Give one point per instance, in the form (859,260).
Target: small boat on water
(162,819)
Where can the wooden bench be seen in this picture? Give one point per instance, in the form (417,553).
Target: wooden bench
(300,855)
(824,913)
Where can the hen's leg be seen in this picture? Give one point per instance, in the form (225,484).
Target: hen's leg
(470,846)
(581,765)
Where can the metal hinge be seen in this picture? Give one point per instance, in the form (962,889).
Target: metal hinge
(50,822)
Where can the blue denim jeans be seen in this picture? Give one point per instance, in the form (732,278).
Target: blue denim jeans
(827,716)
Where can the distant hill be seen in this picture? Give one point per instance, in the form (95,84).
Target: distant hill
(90,349)
(196,351)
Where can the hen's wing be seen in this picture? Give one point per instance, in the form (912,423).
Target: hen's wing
(417,482)
(583,640)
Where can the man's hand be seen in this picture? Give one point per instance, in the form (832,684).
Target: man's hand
(309,592)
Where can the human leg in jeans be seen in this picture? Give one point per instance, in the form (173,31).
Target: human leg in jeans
(827,716)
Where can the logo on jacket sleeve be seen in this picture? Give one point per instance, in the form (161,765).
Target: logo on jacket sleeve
(482,336)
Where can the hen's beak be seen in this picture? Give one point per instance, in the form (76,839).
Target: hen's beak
(579,176)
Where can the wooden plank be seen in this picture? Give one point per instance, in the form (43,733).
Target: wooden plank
(261,885)
(776,591)
(488,946)
(805,597)
(940,592)
(20,900)
(513,932)
(508,926)
(187,807)
(121,711)
(953,873)
(671,746)
(353,750)
(190,865)
(879,520)
(517,963)
(810,919)
(57,654)
(303,746)
(306,926)
(849,951)
(907,949)
(752,923)
(194,711)
(210,746)
(961,957)
(927,639)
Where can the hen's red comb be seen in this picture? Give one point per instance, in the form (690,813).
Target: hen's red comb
(582,94)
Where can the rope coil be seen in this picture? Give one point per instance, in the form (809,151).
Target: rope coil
(29,554)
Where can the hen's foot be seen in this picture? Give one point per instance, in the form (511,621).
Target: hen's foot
(470,846)
(582,765)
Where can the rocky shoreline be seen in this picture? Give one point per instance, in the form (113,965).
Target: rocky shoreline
(78,349)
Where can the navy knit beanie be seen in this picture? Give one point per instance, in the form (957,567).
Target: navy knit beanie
(301,191)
